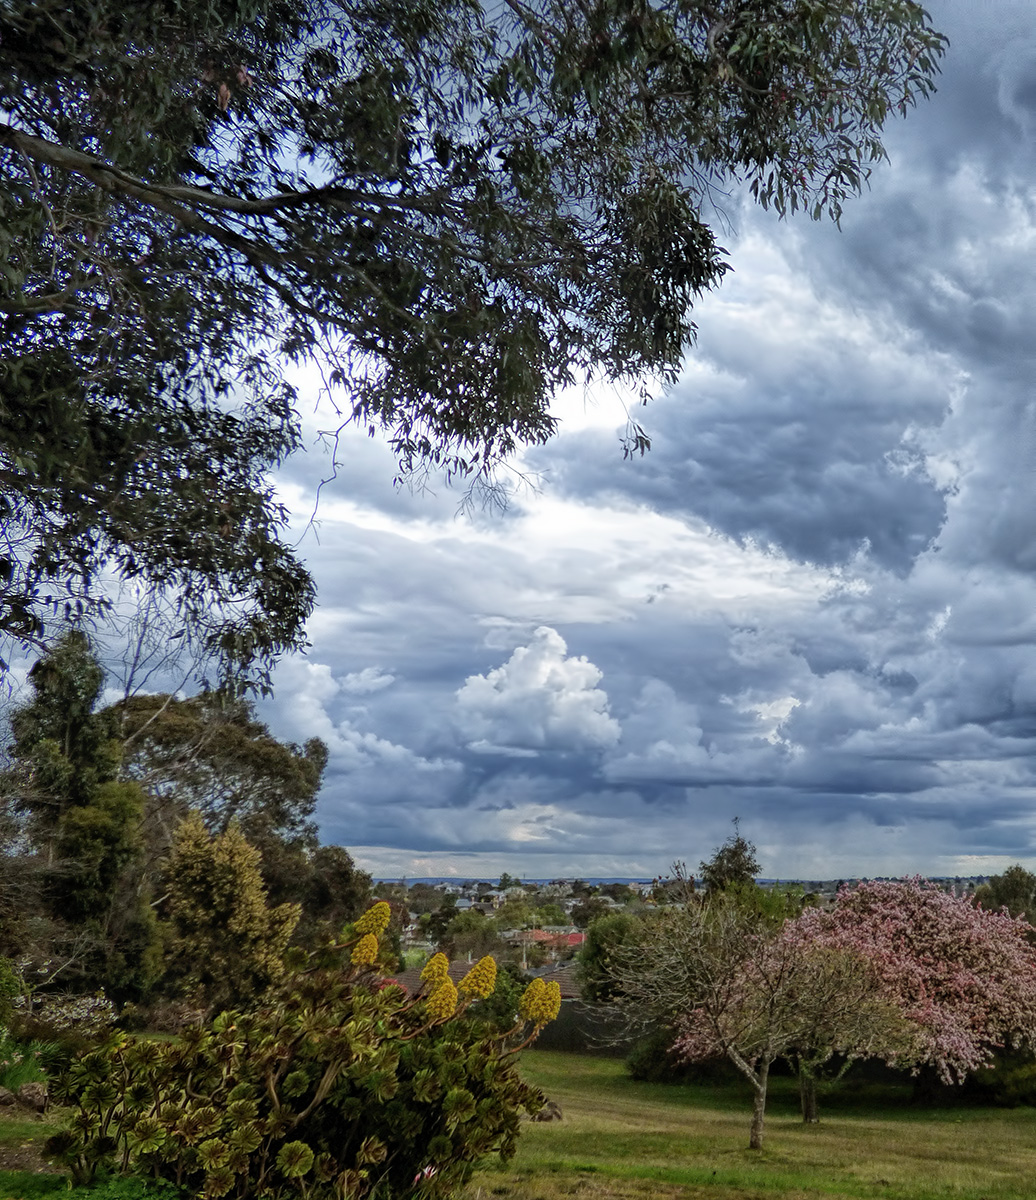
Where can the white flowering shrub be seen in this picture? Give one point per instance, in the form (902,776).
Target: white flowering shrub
(92,1014)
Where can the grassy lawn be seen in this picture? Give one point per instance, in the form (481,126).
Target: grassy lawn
(621,1139)
(24,1172)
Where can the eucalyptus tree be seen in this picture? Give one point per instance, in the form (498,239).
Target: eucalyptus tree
(453,207)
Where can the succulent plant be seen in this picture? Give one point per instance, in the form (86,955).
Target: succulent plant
(340,1084)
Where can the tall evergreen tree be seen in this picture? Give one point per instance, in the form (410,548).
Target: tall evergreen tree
(82,824)
(732,865)
(228,943)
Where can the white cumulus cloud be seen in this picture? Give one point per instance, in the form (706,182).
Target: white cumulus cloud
(540,699)
(370,679)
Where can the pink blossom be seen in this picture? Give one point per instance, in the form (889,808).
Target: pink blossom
(965,977)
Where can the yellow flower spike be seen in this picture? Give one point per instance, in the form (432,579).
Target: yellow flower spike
(436,969)
(532,1000)
(442,1003)
(553,1005)
(480,981)
(375,920)
(365,952)
(541,1002)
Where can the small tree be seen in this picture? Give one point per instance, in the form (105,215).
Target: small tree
(1014,890)
(600,957)
(549,914)
(63,749)
(228,943)
(586,912)
(471,933)
(730,983)
(731,864)
(210,753)
(80,829)
(964,977)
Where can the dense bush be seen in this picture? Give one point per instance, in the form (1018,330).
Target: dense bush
(64,1026)
(10,989)
(338,1085)
(1009,1081)
(652,1061)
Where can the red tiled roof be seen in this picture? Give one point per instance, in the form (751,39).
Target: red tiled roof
(567,977)
(556,939)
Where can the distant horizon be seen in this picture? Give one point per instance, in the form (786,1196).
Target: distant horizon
(601,880)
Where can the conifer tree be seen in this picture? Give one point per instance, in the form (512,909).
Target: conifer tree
(81,823)
(228,943)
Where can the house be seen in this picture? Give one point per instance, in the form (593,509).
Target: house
(566,975)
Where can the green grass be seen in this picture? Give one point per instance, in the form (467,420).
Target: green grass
(619,1138)
(23,1170)
(20,1126)
(28,1185)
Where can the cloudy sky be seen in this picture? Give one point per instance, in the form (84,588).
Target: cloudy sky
(812,605)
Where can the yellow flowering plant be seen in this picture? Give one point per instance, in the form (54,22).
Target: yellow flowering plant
(480,981)
(442,1001)
(436,969)
(365,952)
(375,920)
(419,1093)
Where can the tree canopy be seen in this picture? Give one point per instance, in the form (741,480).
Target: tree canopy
(454,208)
(732,865)
(729,980)
(965,977)
(95,802)
(210,753)
(1014,890)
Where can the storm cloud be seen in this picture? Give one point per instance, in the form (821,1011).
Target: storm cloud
(811,605)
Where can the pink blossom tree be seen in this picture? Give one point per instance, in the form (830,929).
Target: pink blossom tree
(962,976)
(729,982)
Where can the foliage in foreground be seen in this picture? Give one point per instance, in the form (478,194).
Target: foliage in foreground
(340,1085)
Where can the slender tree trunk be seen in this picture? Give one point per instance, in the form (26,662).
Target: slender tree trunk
(755,1141)
(808,1097)
(926,1085)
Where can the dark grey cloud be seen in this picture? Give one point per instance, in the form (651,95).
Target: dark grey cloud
(810,605)
(815,463)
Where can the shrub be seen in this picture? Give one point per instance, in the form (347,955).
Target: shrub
(161,1016)
(1009,1081)
(11,988)
(651,1060)
(20,1063)
(338,1085)
(66,1025)
(90,1015)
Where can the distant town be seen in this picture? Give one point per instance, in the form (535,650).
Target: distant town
(541,924)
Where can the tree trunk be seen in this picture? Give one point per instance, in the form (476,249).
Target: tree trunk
(926,1086)
(755,1141)
(808,1097)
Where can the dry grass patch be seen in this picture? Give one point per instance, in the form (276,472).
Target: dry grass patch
(22,1136)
